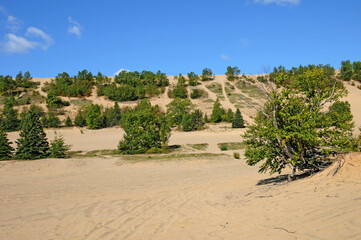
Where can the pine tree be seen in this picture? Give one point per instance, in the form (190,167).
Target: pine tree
(94,117)
(11,121)
(32,143)
(79,120)
(68,122)
(238,120)
(217,112)
(5,146)
(58,147)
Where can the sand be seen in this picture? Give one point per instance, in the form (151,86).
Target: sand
(204,198)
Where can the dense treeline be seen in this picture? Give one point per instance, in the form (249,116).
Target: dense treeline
(130,86)
(351,70)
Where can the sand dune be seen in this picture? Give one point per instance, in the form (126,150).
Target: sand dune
(214,198)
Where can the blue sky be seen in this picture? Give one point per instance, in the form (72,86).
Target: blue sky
(47,37)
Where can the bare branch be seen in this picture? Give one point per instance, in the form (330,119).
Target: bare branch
(329,98)
(252,105)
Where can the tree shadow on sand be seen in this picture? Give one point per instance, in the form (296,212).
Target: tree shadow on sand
(283,178)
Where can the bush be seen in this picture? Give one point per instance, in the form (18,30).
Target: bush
(207,74)
(58,147)
(217,112)
(146,129)
(232,73)
(224,148)
(238,120)
(94,117)
(51,120)
(80,120)
(236,155)
(68,122)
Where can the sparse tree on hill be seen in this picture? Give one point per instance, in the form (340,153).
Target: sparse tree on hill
(232,73)
(346,70)
(32,143)
(207,74)
(193,79)
(238,120)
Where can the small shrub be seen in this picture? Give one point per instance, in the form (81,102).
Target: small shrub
(58,147)
(224,148)
(236,155)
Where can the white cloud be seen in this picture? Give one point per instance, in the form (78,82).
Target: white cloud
(16,44)
(225,57)
(120,70)
(13,24)
(19,44)
(74,27)
(279,2)
(47,40)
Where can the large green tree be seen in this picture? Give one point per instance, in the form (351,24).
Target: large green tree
(32,143)
(146,130)
(295,126)
(11,121)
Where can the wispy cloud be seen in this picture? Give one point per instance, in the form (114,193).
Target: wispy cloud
(279,2)
(13,23)
(74,27)
(225,57)
(120,70)
(18,44)
(46,39)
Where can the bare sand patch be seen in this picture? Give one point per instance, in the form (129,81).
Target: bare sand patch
(200,198)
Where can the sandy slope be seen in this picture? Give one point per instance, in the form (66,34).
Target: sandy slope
(179,199)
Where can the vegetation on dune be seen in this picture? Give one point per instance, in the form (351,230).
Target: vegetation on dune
(207,74)
(58,148)
(146,130)
(232,73)
(6,151)
(237,121)
(295,128)
(32,143)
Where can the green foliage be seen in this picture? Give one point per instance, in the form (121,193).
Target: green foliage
(133,85)
(207,74)
(293,128)
(77,86)
(7,85)
(228,117)
(51,120)
(180,92)
(224,148)
(193,79)
(5,146)
(236,155)
(53,101)
(193,121)
(197,93)
(346,70)
(80,119)
(94,117)
(146,129)
(32,143)
(58,148)
(232,73)
(68,122)
(238,120)
(112,115)
(177,109)
(10,121)
(356,67)
(217,112)
(25,81)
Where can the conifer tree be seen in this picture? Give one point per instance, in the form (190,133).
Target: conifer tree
(238,120)
(32,143)
(217,112)
(79,120)
(5,146)
(68,122)
(58,147)
(11,121)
